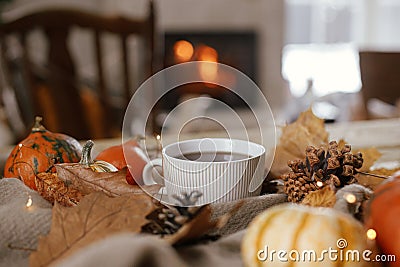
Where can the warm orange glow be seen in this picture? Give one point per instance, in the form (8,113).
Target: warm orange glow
(371,234)
(207,53)
(208,72)
(29,202)
(183,51)
(350,198)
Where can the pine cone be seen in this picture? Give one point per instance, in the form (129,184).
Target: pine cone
(332,167)
(167,220)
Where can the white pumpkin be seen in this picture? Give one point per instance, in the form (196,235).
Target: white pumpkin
(297,235)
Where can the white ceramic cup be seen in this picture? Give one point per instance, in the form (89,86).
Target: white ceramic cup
(223,180)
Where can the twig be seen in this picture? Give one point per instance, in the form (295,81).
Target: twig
(373,174)
(10,246)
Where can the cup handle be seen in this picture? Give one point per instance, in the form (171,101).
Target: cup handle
(148,171)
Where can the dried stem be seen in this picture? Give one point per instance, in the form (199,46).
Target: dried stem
(86,158)
(375,175)
(37,126)
(10,246)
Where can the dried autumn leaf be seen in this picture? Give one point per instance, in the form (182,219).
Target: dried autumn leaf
(324,197)
(94,218)
(54,190)
(87,181)
(385,172)
(370,155)
(305,131)
(369,181)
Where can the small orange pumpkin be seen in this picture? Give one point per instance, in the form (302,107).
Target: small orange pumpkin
(38,153)
(115,155)
(383,216)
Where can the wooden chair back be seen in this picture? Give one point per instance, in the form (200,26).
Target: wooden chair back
(54,89)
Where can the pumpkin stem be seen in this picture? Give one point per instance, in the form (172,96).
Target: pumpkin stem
(37,126)
(86,158)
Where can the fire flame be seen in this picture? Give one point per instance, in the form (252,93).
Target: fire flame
(183,51)
(208,72)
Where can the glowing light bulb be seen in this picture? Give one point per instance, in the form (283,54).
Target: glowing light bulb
(29,202)
(20,154)
(320,184)
(350,198)
(371,234)
(159,145)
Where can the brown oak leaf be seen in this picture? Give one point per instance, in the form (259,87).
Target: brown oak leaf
(95,217)
(370,155)
(324,197)
(305,131)
(87,181)
(372,182)
(54,190)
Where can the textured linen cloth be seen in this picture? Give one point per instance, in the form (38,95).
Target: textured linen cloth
(20,228)
(126,250)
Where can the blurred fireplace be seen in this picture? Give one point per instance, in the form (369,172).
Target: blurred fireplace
(237,49)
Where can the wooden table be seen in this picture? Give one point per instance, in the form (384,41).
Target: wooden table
(382,134)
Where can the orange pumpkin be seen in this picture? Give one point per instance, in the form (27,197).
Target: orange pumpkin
(383,215)
(115,155)
(38,153)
